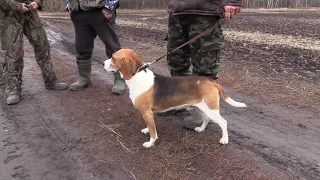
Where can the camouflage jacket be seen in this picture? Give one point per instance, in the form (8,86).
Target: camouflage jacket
(15,5)
(85,5)
(202,7)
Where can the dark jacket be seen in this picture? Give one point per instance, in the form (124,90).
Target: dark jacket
(86,5)
(201,7)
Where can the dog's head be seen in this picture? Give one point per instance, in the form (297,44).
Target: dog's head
(124,60)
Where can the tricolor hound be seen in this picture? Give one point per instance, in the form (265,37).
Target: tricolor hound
(152,93)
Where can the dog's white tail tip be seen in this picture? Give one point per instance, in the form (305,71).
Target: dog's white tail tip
(235,103)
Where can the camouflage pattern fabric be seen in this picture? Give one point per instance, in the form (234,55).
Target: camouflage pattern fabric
(15,5)
(15,25)
(203,53)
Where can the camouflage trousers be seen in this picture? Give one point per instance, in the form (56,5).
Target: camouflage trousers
(203,54)
(14,27)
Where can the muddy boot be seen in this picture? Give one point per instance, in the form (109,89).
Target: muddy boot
(13,98)
(181,113)
(84,79)
(194,120)
(57,86)
(119,84)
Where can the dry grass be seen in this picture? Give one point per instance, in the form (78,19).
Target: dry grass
(197,155)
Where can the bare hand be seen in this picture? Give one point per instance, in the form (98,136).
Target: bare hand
(23,8)
(106,14)
(34,5)
(230,11)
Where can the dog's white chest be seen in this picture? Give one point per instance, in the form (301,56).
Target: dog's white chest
(140,83)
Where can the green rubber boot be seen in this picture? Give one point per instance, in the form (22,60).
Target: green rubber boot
(84,79)
(13,98)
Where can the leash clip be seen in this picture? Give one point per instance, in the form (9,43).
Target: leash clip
(144,67)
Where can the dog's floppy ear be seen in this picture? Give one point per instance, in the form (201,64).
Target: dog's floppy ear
(130,63)
(127,67)
(134,57)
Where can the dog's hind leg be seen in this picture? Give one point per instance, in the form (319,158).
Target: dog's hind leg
(205,122)
(214,116)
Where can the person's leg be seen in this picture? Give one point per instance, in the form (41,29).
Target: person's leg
(179,61)
(84,42)
(205,52)
(205,57)
(105,28)
(12,42)
(38,39)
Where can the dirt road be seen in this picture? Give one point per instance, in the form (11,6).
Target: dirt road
(92,134)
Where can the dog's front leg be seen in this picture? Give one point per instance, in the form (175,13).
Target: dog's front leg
(149,120)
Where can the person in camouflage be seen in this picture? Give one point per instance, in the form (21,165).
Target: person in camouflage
(18,19)
(92,18)
(187,19)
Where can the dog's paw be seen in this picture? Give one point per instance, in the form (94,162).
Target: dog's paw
(145,130)
(224,140)
(199,129)
(148,144)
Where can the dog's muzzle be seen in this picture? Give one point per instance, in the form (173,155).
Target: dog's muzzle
(107,66)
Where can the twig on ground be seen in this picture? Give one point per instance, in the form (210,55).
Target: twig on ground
(2,124)
(111,129)
(123,146)
(134,177)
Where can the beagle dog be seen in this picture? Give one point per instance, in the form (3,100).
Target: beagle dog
(154,93)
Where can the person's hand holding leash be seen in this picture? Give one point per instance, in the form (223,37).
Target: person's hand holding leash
(230,11)
(23,8)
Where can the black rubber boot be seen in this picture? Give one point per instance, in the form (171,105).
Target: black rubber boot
(119,84)
(194,120)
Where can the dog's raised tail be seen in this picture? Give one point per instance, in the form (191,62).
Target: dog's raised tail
(228,99)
